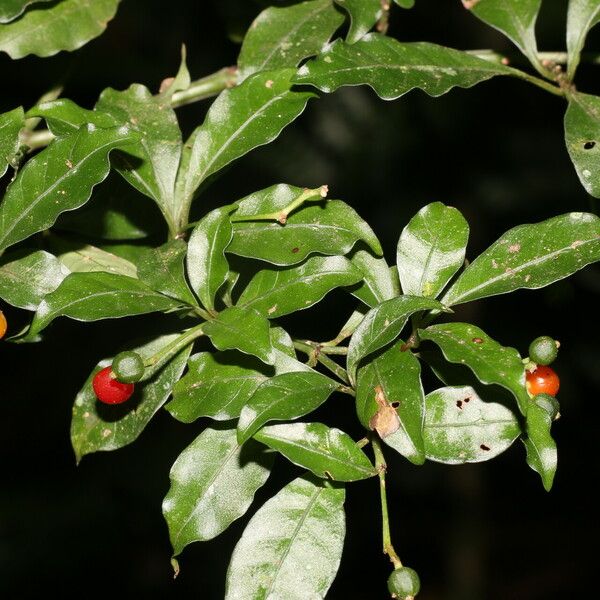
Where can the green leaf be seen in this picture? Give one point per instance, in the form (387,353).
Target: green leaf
(282,398)
(25,280)
(460,427)
(514,18)
(327,452)
(542,455)
(275,292)
(50,28)
(216,385)
(10,125)
(156,155)
(97,427)
(98,295)
(242,118)
(64,117)
(394,68)
(378,283)
(242,329)
(431,249)
(390,400)
(490,362)
(283,37)
(331,228)
(11,9)
(207,266)
(405,3)
(364,14)
(530,256)
(276,558)
(581,17)
(382,325)
(58,179)
(89,259)
(582,136)
(161,269)
(213,482)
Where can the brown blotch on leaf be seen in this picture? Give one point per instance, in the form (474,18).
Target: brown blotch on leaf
(484,447)
(385,421)
(467,399)
(295,250)
(589,145)
(477,340)
(459,404)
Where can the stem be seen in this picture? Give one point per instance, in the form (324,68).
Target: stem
(381,467)
(206,87)
(314,354)
(339,350)
(282,215)
(175,346)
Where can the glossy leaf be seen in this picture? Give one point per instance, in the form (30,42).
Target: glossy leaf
(284,397)
(542,455)
(514,18)
(88,259)
(50,28)
(216,385)
(242,329)
(57,179)
(382,325)
(275,292)
(460,427)
(98,295)
(394,68)
(213,482)
(431,249)
(25,280)
(405,3)
(10,126)
(276,558)
(242,118)
(156,156)
(161,269)
(582,136)
(327,452)
(11,9)
(490,362)
(530,256)
(392,380)
(378,283)
(581,17)
(283,37)
(331,227)
(364,14)
(207,266)
(97,427)
(64,117)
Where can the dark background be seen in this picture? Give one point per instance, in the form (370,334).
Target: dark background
(496,152)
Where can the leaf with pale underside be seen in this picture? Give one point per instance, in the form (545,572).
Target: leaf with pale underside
(11,9)
(394,68)
(542,455)
(431,249)
(460,427)
(490,362)
(58,179)
(390,400)
(51,27)
(213,482)
(11,123)
(364,14)
(283,37)
(379,282)
(581,17)
(96,427)
(80,258)
(282,398)
(26,278)
(326,451)
(276,558)
(530,256)
(280,291)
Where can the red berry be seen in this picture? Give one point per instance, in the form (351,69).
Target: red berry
(3,325)
(543,380)
(109,390)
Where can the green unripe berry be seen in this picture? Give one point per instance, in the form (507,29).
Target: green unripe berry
(543,350)
(549,404)
(404,583)
(128,367)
